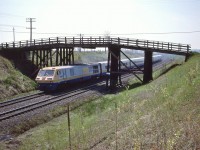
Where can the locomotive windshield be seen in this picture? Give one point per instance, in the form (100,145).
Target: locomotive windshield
(46,73)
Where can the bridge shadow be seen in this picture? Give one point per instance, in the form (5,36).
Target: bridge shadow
(170,68)
(135,85)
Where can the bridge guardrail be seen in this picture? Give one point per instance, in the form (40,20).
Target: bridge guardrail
(100,41)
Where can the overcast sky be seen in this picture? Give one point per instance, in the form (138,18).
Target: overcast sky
(124,18)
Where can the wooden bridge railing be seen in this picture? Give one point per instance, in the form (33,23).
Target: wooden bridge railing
(101,42)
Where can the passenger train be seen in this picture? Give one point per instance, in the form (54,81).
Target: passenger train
(49,78)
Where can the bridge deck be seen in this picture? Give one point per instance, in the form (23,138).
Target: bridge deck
(93,42)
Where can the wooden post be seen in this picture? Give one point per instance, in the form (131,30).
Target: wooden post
(57,40)
(67,56)
(40,58)
(44,58)
(37,62)
(61,61)
(64,51)
(57,52)
(108,68)
(73,56)
(69,129)
(137,42)
(116,126)
(47,59)
(187,54)
(33,55)
(119,68)
(148,67)
(51,59)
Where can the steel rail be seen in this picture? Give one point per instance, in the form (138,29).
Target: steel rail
(20,99)
(49,101)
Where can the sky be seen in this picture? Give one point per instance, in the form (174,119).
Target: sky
(175,21)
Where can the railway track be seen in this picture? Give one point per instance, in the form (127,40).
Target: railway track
(21,99)
(36,105)
(52,100)
(21,110)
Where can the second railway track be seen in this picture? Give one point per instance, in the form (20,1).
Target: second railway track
(20,99)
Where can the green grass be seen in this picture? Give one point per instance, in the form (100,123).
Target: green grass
(163,114)
(12,82)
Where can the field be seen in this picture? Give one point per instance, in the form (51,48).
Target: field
(163,114)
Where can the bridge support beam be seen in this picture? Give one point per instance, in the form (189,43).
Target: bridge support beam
(44,58)
(148,71)
(115,76)
(64,56)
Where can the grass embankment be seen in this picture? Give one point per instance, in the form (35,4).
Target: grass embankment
(12,82)
(164,114)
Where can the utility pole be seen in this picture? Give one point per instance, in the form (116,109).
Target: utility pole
(31,20)
(81,35)
(13,34)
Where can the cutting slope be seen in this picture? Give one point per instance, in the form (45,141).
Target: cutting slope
(12,81)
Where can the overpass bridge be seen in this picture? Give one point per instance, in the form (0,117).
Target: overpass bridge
(43,50)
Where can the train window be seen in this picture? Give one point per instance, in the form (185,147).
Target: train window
(71,72)
(58,72)
(46,73)
(41,73)
(49,73)
(95,69)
